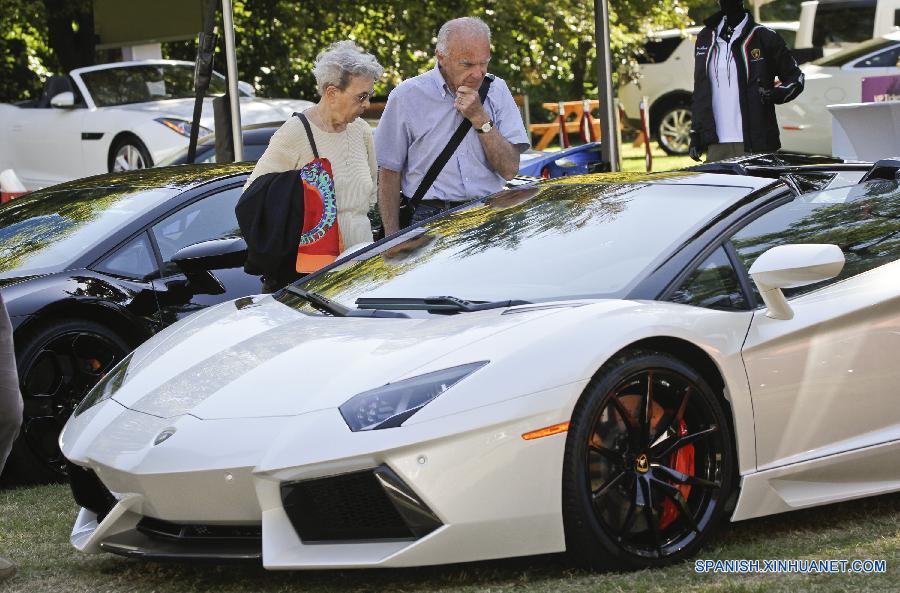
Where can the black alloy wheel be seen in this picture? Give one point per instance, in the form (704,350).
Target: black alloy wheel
(649,464)
(58,363)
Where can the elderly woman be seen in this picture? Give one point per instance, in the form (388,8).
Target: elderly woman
(345,75)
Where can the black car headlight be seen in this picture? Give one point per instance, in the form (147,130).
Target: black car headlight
(390,405)
(106,387)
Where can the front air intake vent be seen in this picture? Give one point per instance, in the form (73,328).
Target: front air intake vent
(367,505)
(89,491)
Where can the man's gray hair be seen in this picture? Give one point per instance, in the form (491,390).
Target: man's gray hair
(469,26)
(342,60)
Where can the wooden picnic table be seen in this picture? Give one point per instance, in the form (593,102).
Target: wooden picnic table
(546,133)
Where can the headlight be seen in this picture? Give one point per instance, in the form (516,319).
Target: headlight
(181,126)
(106,387)
(390,405)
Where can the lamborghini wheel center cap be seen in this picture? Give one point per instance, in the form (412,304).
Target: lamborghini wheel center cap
(642,463)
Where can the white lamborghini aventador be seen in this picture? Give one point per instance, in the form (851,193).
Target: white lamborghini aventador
(606,364)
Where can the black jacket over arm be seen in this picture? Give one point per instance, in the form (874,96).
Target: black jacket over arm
(270,214)
(760,54)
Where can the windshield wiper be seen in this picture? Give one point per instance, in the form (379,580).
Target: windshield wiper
(329,307)
(791,182)
(446,305)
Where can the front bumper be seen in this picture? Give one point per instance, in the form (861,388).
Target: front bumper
(473,488)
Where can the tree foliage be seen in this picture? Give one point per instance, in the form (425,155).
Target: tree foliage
(544,49)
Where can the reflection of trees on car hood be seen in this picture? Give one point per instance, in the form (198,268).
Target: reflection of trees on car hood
(554,208)
(48,219)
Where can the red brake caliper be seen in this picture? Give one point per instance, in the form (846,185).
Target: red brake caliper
(682,461)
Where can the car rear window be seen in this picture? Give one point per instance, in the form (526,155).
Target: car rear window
(843,22)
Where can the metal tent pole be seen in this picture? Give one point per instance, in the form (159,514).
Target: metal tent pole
(231,61)
(608,136)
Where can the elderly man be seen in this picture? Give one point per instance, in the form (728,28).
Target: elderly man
(423,113)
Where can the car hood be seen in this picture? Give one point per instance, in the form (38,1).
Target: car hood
(268,359)
(253,109)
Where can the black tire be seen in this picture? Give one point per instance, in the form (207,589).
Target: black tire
(58,363)
(133,153)
(673,129)
(614,464)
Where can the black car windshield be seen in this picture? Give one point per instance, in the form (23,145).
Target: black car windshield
(48,230)
(145,82)
(552,241)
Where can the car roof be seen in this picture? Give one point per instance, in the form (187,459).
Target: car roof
(253,134)
(179,177)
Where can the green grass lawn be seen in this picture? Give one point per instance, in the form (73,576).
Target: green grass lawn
(633,158)
(36,522)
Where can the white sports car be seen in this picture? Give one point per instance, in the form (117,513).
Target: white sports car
(625,361)
(805,122)
(115,117)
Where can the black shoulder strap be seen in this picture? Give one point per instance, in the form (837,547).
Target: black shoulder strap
(438,165)
(309,134)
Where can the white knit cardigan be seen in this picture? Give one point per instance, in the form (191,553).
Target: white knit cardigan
(352,156)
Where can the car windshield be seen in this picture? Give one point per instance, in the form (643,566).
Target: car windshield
(145,82)
(553,241)
(47,231)
(851,53)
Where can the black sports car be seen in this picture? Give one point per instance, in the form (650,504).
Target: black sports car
(91,268)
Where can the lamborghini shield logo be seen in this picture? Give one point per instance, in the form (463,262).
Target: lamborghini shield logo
(642,464)
(755,53)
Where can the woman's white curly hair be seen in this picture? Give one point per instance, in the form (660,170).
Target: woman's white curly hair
(342,60)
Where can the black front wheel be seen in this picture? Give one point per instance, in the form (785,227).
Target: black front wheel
(58,363)
(649,464)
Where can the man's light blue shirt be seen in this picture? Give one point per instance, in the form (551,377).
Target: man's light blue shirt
(419,120)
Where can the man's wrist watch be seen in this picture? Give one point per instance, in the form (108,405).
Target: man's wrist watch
(485,127)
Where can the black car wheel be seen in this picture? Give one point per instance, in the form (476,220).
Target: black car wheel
(649,464)
(58,363)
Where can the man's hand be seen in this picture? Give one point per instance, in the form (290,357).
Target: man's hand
(468,103)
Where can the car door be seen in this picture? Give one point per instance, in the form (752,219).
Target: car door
(210,217)
(825,381)
(47,144)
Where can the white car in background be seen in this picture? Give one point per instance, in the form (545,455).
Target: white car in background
(667,80)
(805,122)
(114,117)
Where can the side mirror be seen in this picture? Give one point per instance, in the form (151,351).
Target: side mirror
(789,266)
(63,100)
(196,261)
(245,88)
